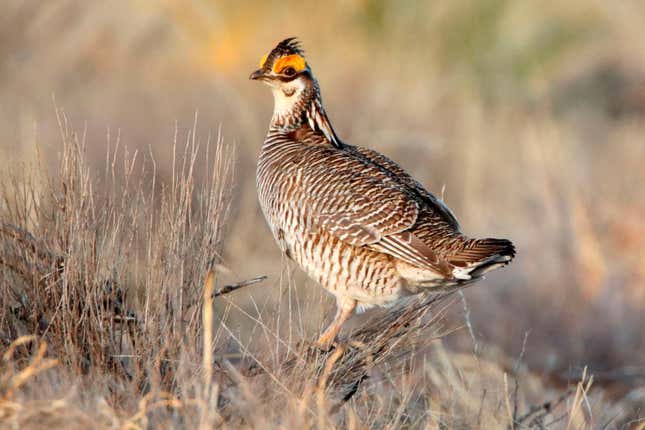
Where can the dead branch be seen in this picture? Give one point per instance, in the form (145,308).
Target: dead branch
(536,412)
(28,242)
(226,289)
(391,336)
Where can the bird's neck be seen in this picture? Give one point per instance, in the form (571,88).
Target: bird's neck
(289,108)
(304,108)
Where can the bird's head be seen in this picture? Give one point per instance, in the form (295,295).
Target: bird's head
(283,66)
(286,71)
(295,90)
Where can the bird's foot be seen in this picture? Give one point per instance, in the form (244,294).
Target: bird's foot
(327,347)
(308,346)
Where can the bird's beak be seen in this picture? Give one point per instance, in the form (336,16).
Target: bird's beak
(258,74)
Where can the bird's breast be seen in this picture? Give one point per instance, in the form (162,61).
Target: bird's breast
(280,193)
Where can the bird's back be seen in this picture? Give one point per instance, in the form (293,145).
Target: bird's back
(302,167)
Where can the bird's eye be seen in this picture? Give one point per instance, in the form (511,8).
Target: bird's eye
(289,71)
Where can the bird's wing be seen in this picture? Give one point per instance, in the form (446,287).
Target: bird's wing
(360,203)
(436,206)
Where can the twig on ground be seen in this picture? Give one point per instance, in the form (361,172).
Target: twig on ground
(536,411)
(226,289)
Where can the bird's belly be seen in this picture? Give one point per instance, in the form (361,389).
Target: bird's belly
(345,270)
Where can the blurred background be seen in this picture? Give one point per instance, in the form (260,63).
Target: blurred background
(527,117)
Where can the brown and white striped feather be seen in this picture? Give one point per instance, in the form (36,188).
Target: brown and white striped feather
(350,196)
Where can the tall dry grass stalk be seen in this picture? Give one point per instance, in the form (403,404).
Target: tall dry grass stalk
(210,390)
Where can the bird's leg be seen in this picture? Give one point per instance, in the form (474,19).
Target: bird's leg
(344,310)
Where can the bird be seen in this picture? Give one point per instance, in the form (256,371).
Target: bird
(350,217)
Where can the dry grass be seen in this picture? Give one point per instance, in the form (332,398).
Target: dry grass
(125,336)
(111,281)
(528,118)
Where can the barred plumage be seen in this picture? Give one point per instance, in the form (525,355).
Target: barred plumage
(350,217)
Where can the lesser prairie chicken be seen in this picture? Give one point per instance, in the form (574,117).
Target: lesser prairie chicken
(354,220)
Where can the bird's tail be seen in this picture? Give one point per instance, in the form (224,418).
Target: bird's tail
(468,263)
(479,256)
